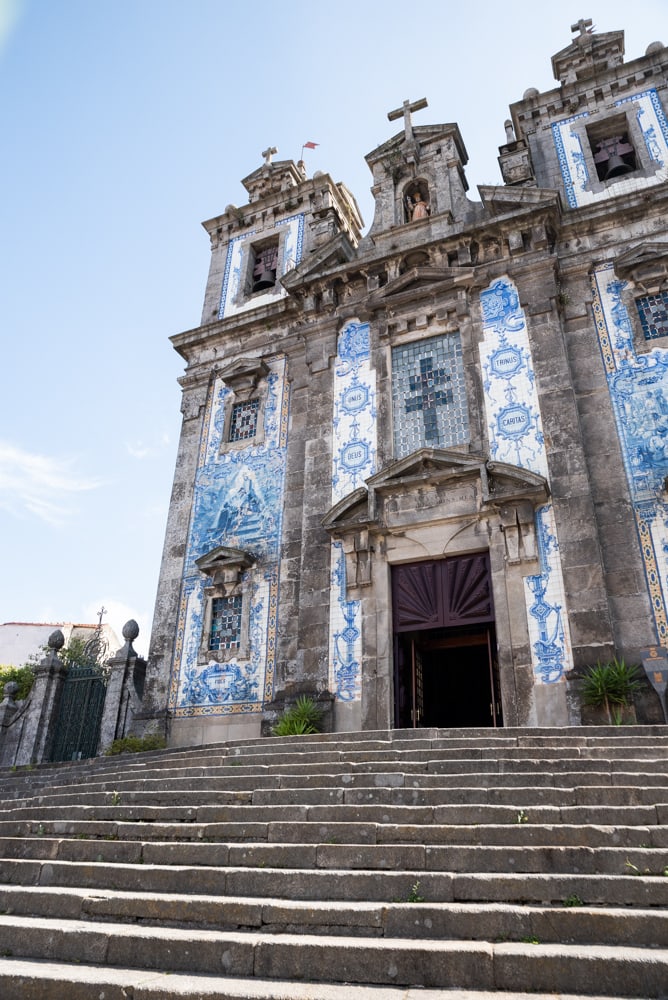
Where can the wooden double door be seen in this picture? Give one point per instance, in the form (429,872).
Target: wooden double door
(445,670)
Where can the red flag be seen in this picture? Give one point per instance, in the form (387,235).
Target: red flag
(310,145)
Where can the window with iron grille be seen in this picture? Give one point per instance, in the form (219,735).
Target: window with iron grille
(225,630)
(429,395)
(653,312)
(243,424)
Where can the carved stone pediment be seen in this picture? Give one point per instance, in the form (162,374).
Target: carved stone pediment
(243,375)
(646,265)
(271,178)
(441,476)
(510,482)
(421,134)
(330,255)
(353,509)
(418,277)
(499,200)
(225,566)
(436,486)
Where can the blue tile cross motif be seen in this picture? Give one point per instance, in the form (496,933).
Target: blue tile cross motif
(429,397)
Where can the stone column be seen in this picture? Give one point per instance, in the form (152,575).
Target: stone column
(8,709)
(38,729)
(117,702)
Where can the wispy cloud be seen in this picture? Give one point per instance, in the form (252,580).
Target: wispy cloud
(41,485)
(9,15)
(140,450)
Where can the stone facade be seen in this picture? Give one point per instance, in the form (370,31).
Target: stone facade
(423,472)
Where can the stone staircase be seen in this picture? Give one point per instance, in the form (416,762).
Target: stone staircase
(375,866)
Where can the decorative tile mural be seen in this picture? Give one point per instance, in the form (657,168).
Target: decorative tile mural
(238,503)
(654,128)
(638,386)
(353,461)
(516,436)
(571,159)
(237,250)
(429,395)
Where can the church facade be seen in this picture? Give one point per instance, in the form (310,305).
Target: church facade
(422,472)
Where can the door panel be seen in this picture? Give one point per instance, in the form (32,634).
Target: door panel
(429,595)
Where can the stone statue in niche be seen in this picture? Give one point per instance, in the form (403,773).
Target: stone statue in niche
(417,203)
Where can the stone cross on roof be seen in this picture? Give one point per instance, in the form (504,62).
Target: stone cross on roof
(582,25)
(405,112)
(268,153)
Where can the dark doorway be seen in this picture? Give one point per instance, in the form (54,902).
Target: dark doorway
(444,644)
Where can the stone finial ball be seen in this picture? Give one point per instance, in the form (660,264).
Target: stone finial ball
(56,640)
(130,630)
(654,47)
(530,92)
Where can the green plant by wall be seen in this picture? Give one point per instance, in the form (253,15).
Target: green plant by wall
(136,744)
(23,676)
(608,684)
(302,718)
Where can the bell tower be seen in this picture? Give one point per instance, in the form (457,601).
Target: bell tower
(418,175)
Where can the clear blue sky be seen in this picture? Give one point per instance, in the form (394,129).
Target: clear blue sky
(126,123)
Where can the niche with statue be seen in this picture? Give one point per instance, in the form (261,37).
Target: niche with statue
(416,201)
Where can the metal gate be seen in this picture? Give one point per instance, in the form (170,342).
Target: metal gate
(77,728)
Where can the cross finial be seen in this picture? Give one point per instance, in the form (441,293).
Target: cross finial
(100,615)
(268,153)
(582,25)
(405,112)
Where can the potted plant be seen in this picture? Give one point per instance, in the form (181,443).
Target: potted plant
(610,687)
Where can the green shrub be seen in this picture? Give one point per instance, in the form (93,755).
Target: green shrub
(136,744)
(302,718)
(23,676)
(609,684)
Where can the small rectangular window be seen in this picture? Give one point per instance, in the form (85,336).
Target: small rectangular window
(653,312)
(243,423)
(225,630)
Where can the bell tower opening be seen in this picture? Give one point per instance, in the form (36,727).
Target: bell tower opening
(445,670)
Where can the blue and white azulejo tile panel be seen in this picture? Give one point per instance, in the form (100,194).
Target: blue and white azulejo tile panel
(291,231)
(571,159)
(353,461)
(638,386)
(238,503)
(345,633)
(354,418)
(515,433)
(651,119)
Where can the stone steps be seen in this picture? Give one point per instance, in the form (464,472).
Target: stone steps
(56,981)
(362,825)
(343,866)
(571,921)
(371,857)
(390,961)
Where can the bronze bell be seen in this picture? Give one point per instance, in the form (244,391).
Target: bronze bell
(263,278)
(616,167)
(611,152)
